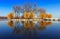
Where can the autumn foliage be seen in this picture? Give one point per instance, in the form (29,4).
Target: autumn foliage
(44,15)
(28,14)
(10,15)
(49,15)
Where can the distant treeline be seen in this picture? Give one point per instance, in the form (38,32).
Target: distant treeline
(3,17)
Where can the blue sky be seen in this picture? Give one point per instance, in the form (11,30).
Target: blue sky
(51,6)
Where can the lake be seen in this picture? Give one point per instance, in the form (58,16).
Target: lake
(29,30)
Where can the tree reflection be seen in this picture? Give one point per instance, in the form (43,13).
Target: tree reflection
(27,26)
(43,24)
(11,23)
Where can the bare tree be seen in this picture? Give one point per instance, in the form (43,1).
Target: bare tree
(17,10)
(41,10)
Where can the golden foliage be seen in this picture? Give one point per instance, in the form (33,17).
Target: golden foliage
(43,15)
(10,15)
(31,15)
(28,14)
(49,15)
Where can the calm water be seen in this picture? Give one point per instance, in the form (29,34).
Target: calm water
(29,30)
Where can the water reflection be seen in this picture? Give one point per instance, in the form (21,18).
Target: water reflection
(28,29)
(27,26)
(43,24)
(11,23)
